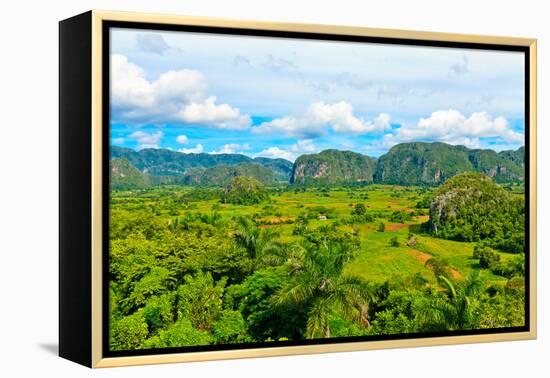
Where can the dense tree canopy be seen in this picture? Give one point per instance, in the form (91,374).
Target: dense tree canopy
(472,207)
(202,266)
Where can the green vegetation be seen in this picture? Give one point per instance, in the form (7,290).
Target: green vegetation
(472,207)
(332,166)
(405,164)
(171,165)
(318,283)
(244,190)
(265,262)
(221,175)
(433,163)
(124,175)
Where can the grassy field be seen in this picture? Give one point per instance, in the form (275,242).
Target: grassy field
(377,261)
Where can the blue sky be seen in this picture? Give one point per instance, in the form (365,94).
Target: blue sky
(278,97)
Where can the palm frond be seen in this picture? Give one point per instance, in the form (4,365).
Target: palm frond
(449,285)
(296,293)
(317,323)
(436,313)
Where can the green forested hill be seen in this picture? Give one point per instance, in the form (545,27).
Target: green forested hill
(418,163)
(125,176)
(472,207)
(282,169)
(434,163)
(221,175)
(415,163)
(332,166)
(505,166)
(162,162)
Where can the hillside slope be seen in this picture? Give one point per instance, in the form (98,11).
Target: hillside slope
(333,166)
(434,163)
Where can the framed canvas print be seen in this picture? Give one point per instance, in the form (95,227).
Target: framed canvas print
(235,189)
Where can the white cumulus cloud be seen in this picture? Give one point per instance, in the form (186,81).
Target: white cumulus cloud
(290,153)
(220,116)
(320,117)
(182,139)
(176,96)
(146,140)
(451,126)
(232,148)
(276,153)
(193,150)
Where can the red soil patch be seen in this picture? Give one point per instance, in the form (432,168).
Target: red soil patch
(424,257)
(420,256)
(396,226)
(456,274)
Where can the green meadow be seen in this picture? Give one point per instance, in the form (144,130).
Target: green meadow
(377,259)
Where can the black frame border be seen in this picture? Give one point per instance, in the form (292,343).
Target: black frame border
(106,27)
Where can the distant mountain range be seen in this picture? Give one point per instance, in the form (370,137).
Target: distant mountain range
(405,164)
(177,167)
(434,163)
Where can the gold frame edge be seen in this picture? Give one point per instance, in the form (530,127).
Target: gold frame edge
(98,361)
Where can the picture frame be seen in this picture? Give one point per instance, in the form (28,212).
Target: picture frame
(85,152)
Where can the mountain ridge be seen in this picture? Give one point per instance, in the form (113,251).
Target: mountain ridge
(163,162)
(414,163)
(434,163)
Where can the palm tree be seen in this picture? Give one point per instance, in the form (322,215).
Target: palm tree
(456,310)
(259,244)
(320,286)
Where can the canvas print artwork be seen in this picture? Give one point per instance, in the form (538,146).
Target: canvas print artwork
(273,191)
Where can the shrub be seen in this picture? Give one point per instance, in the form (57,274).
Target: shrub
(439,266)
(400,216)
(359,209)
(129,332)
(511,268)
(411,240)
(381,227)
(488,258)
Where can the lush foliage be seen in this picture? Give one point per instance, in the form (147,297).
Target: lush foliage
(221,175)
(472,207)
(434,163)
(405,164)
(331,166)
(124,175)
(198,266)
(172,165)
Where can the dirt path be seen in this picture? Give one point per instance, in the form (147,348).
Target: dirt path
(424,257)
